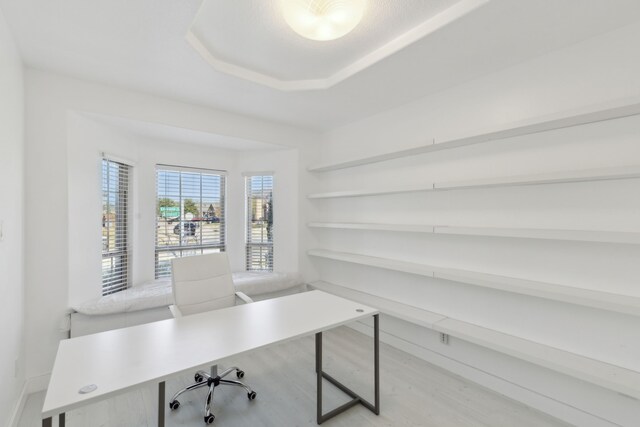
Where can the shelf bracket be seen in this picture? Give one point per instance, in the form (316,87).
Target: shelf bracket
(444,338)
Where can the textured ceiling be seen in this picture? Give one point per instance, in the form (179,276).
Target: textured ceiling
(141,45)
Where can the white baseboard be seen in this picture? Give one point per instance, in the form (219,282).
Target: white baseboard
(499,385)
(31,385)
(17,409)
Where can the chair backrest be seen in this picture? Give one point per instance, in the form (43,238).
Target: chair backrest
(202,283)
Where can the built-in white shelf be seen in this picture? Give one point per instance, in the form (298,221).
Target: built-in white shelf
(586,175)
(396,309)
(409,228)
(526,233)
(370,261)
(565,119)
(583,367)
(549,234)
(578,296)
(569,294)
(600,174)
(373,192)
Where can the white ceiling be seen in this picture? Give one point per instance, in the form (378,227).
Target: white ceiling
(267,51)
(141,45)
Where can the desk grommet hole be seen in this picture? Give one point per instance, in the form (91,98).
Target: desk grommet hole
(88,389)
(359,310)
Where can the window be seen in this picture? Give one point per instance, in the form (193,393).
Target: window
(259,211)
(115,239)
(190,214)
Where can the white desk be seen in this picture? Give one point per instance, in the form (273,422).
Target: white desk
(123,359)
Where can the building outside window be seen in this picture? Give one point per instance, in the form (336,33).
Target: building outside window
(115,226)
(190,214)
(259,222)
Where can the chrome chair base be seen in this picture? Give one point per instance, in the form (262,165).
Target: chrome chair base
(212,380)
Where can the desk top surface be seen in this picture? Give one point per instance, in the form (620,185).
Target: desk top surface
(122,359)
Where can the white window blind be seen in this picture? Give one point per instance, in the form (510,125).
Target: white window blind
(190,214)
(115,220)
(259,212)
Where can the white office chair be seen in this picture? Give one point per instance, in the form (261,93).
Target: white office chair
(203,283)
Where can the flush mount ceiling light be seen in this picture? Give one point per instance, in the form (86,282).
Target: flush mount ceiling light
(323,19)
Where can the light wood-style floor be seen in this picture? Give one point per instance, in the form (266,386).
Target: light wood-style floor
(413,393)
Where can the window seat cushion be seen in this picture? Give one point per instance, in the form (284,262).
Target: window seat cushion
(157,293)
(255,283)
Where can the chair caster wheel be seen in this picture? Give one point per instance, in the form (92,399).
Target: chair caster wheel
(174,404)
(209,419)
(239,374)
(198,378)
(251,395)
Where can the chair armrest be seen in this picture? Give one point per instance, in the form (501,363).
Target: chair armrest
(175,311)
(244,297)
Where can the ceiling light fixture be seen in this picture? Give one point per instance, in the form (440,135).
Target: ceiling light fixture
(323,19)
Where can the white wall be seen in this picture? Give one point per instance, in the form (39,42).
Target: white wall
(58,174)
(11,218)
(596,71)
(88,138)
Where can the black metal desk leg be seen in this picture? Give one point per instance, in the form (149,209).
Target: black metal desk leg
(376,361)
(161,404)
(318,346)
(48,422)
(355,398)
(319,376)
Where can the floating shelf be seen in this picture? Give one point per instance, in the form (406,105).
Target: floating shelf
(376,227)
(384,263)
(396,309)
(549,234)
(601,174)
(616,110)
(527,233)
(373,192)
(578,296)
(582,367)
